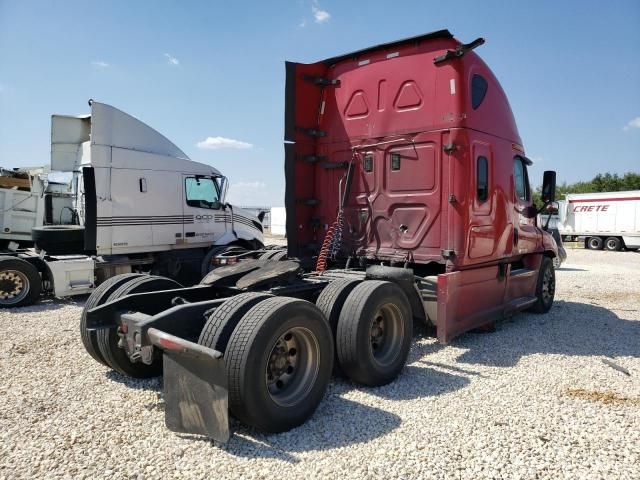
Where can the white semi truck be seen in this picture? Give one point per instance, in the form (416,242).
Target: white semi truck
(609,220)
(140,204)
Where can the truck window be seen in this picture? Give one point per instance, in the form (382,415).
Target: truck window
(368,163)
(478,90)
(202,192)
(395,162)
(520,179)
(482,178)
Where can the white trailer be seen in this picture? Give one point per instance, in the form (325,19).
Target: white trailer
(141,206)
(28,199)
(609,220)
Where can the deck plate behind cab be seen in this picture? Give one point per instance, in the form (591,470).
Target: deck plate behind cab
(230,274)
(270,272)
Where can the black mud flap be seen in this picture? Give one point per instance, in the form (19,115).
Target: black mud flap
(195,387)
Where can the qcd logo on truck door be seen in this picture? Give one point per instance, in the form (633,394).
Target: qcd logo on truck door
(204,218)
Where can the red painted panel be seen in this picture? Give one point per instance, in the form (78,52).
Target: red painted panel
(468,299)
(395,99)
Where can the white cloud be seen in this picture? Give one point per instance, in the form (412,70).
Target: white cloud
(319,15)
(99,63)
(255,184)
(171,60)
(217,143)
(633,123)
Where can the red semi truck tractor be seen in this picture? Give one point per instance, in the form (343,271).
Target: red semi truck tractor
(407,199)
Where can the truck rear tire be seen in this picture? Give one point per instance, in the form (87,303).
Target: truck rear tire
(224,319)
(278,363)
(374,332)
(594,243)
(613,244)
(108,339)
(59,239)
(545,287)
(20,283)
(330,302)
(99,296)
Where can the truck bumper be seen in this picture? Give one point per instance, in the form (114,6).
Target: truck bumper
(195,387)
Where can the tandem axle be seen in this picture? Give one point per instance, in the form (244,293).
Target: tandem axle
(362,322)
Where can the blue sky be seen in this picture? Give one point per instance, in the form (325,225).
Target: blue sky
(194,70)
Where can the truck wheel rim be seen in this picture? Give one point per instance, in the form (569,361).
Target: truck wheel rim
(548,286)
(14,286)
(611,244)
(292,366)
(386,332)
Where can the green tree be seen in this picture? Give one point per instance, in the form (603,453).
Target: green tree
(600,183)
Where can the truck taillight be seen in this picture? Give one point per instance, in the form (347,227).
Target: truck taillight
(224,261)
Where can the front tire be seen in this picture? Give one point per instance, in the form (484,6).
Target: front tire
(20,283)
(545,287)
(278,363)
(374,332)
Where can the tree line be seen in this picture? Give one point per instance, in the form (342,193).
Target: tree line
(600,183)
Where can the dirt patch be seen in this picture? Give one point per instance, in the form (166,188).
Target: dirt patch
(608,398)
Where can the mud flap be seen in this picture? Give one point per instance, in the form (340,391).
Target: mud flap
(195,387)
(468,299)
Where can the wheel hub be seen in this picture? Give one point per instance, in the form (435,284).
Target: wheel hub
(282,362)
(386,333)
(292,366)
(11,284)
(377,332)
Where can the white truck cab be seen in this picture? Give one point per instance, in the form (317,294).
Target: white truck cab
(141,205)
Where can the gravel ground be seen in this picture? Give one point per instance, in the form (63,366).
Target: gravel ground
(535,399)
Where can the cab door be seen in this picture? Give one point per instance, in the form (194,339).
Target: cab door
(204,218)
(526,234)
(482,222)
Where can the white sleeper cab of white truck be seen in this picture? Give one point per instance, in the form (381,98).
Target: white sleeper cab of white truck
(141,206)
(609,220)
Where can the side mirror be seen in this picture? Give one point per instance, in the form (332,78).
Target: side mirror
(549,186)
(261,215)
(224,186)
